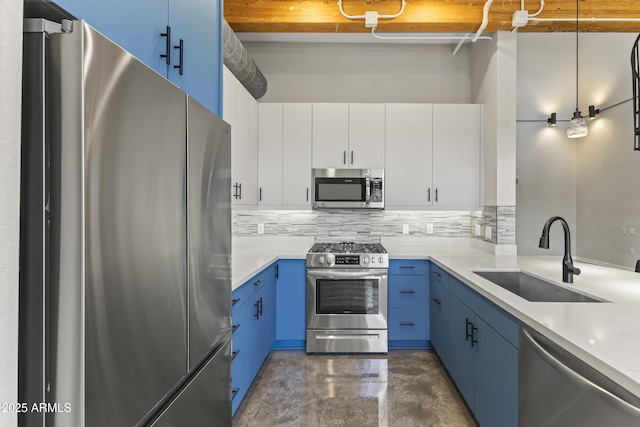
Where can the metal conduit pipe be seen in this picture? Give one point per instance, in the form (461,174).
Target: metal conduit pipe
(237,60)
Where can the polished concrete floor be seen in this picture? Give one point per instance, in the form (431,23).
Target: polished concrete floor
(404,388)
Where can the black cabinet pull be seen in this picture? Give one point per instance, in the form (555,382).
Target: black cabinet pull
(234,392)
(240,190)
(436,194)
(237,187)
(257,282)
(260,301)
(235,301)
(428,194)
(277,271)
(467,331)
(351,156)
(235,327)
(435,273)
(407,266)
(407,292)
(257,306)
(407,324)
(344,157)
(180,66)
(473,335)
(234,354)
(436,300)
(307,194)
(260,196)
(166,55)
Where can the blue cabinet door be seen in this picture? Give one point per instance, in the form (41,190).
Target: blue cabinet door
(134,26)
(496,378)
(439,316)
(198,23)
(265,324)
(461,354)
(290,303)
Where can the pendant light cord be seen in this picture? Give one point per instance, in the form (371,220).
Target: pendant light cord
(577,49)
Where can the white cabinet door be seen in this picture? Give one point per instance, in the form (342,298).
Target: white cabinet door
(456,155)
(270,165)
(330,135)
(296,155)
(408,170)
(244,149)
(366,136)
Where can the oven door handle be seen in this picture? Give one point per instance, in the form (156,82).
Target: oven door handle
(346,274)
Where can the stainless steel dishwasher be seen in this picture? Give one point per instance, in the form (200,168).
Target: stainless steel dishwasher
(557,389)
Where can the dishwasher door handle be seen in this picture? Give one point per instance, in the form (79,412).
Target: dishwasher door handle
(570,373)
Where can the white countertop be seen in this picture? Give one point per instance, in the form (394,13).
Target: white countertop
(604,335)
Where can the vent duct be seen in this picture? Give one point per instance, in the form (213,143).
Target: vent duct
(237,60)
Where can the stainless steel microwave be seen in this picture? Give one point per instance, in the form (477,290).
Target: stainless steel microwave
(348,188)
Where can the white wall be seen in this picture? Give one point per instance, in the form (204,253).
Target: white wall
(608,190)
(546,158)
(10,88)
(353,72)
(593,181)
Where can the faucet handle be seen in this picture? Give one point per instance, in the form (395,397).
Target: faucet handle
(573,269)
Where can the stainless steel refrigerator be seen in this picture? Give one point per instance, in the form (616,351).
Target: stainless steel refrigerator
(125,283)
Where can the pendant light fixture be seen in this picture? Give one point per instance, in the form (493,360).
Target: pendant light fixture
(577,125)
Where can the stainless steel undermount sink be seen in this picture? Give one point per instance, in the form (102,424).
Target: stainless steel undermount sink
(531,288)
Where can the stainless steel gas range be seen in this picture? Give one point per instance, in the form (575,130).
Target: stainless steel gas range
(347,298)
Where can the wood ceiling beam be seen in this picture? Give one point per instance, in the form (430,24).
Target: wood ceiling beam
(461,16)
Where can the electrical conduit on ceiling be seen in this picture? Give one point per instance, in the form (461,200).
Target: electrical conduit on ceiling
(533,17)
(238,61)
(477,36)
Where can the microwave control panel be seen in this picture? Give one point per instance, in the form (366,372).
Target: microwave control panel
(376,190)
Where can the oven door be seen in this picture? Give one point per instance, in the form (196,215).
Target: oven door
(346,299)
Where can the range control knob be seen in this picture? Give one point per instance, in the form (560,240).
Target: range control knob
(330,260)
(380,260)
(321,260)
(366,259)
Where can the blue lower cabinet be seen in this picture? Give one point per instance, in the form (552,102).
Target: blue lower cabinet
(474,339)
(408,317)
(291,303)
(496,379)
(253,318)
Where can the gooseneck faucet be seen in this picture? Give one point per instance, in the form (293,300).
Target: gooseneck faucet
(568,269)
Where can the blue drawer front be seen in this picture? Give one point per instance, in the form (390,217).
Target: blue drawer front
(439,276)
(408,324)
(407,291)
(408,266)
(241,366)
(242,293)
(504,323)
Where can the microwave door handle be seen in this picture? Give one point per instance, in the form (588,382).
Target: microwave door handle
(367,191)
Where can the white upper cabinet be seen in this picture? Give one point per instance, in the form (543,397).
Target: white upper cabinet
(284,155)
(409,142)
(296,155)
(456,155)
(240,110)
(366,136)
(348,136)
(330,135)
(270,165)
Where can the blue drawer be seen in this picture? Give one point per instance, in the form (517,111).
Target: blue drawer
(407,266)
(242,366)
(407,291)
(408,323)
(439,276)
(243,293)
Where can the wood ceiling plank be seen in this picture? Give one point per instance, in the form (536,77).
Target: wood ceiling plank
(323,16)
